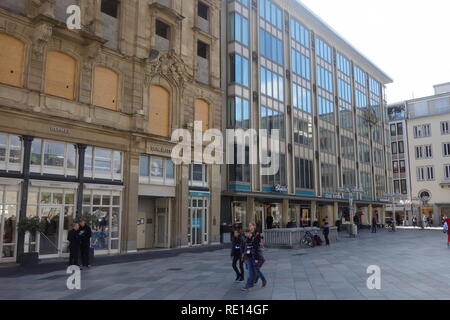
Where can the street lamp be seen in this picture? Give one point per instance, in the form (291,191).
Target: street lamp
(350,191)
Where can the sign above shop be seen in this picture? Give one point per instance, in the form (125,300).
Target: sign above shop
(279,188)
(59,130)
(159,149)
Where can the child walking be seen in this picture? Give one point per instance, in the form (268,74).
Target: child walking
(237,250)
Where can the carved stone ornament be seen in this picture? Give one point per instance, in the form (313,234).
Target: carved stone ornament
(44,7)
(41,36)
(92,54)
(170,66)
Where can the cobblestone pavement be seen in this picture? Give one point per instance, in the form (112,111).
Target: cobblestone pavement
(414,265)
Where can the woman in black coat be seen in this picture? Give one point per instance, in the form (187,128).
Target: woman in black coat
(74,244)
(237,250)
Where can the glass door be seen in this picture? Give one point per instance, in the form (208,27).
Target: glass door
(49,239)
(161,227)
(198,222)
(8,218)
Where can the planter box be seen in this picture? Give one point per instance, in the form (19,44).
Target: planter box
(29,259)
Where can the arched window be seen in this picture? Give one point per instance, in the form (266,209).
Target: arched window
(11,60)
(202,113)
(159,111)
(60,75)
(106,86)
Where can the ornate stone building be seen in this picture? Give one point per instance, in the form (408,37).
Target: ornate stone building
(86,118)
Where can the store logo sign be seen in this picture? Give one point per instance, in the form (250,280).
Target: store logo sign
(74,280)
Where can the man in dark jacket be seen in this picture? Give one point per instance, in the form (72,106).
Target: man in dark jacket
(85,242)
(374,224)
(237,251)
(74,244)
(326,232)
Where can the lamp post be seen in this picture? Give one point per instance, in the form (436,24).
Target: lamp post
(351,191)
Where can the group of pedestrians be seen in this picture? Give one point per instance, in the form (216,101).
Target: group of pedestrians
(79,244)
(247,249)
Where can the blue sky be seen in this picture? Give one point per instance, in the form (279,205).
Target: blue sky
(407,39)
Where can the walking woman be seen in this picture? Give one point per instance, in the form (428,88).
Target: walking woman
(253,259)
(237,251)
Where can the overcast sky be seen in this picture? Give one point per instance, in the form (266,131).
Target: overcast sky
(408,39)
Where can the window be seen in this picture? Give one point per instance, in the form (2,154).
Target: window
(110,7)
(397,186)
(328,174)
(239,69)
(60,75)
(327,141)
(347,148)
(445,127)
(395,166)
(239,30)
(303,132)
(399,129)
(106,86)
(348,177)
(304,174)
(159,111)
(345,91)
(202,50)
(403,187)
(299,33)
(324,79)
(239,113)
(156,170)
(326,109)
(271,13)
(162,29)
(103,163)
(361,99)
(428,151)
(393,130)
(11,60)
(419,152)
(402,166)
(203,10)
(446,149)
(201,113)
(343,64)
(272,84)
(323,50)
(53,157)
(425,173)
(360,76)
(364,153)
(198,175)
(240,172)
(401,147)
(301,98)
(10,152)
(272,120)
(422,131)
(374,86)
(447,171)
(394,147)
(271,47)
(378,158)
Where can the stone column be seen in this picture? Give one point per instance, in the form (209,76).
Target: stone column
(81,153)
(313,211)
(285,213)
(369,214)
(250,212)
(214,221)
(130,201)
(182,206)
(335,214)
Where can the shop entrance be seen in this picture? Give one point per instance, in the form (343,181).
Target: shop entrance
(152,229)
(8,218)
(198,221)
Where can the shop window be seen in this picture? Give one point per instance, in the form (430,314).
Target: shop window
(52,157)
(156,170)
(60,75)
(106,87)
(8,220)
(159,111)
(103,209)
(10,152)
(102,163)
(202,113)
(11,60)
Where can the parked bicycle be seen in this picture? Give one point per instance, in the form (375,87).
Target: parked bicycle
(308,239)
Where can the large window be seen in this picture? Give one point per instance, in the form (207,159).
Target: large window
(201,113)
(347,148)
(327,141)
(345,91)
(105,208)
(198,175)
(271,46)
(299,33)
(239,69)
(11,60)
(240,172)
(328,175)
(301,98)
(301,64)
(159,111)
(343,64)
(364,153)
(360,76)
(271,13)
(323,50)
(361,99)
(272,120)
(8,219)
(272,84)
(446,149)
(103,163)
(60,75)
(239,113)
(53,157)
(156,170)
(304,174)
(10,152)
(326,109)
(303,132)
(324,79)
(239,30)
(422,131)
(425,173)
(106,88)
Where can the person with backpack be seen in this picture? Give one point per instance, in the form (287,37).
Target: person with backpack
(326,233)
(260,239)
(237,251)
(253,260)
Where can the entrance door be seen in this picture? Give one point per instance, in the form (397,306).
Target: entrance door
(198,221)
(260,219)
(161,227)
(8,218)
(49,240)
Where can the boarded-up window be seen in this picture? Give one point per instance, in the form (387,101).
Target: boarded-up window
(106,86)
(159,111)
(11,60)
(202,113)
(60,75)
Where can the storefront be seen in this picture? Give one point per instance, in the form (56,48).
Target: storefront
(300,215)
(198,218)
(9,199)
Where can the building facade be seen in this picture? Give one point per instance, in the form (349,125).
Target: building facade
(86,118)
(287,70)
(428,140)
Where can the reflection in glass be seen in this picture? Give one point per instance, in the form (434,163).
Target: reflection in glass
(53,154)
(15,150)
(71,156)
(2,147)
(157,169)
(36,152)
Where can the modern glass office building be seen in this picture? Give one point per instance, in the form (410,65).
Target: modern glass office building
(288,70)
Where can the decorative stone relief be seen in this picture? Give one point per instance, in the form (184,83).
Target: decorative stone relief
(41,36)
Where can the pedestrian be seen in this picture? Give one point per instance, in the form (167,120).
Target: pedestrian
(356,220)
(237,251)
(74,244)
(425,221)
(269,222)
(260,239)
(253,260)
(414,221)
(85,233)
(374,224)
(326,232)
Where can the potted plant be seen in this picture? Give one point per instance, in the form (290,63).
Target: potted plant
(31,225)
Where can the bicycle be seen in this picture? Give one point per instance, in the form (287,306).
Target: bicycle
(308,239)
